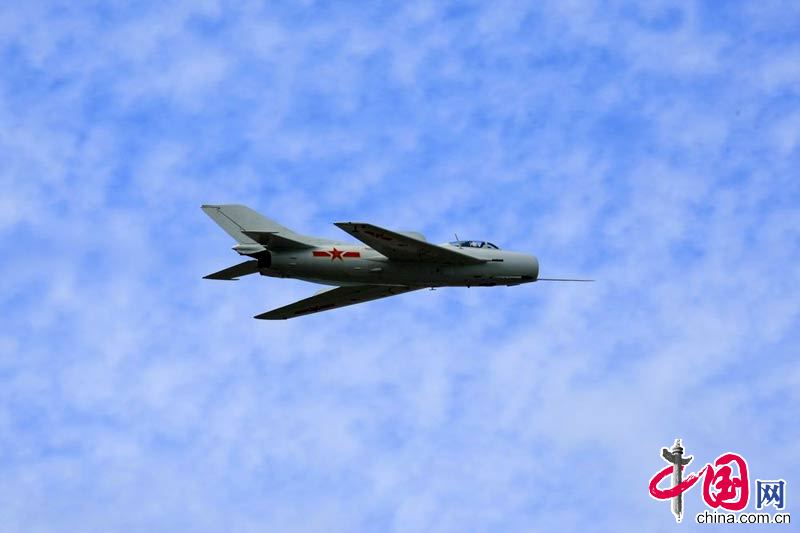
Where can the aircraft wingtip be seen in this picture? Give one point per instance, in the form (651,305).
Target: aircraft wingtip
(265,316)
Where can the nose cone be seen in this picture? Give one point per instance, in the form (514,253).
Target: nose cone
(523,267)
(534,269)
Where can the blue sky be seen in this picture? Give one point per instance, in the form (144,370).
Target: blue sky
(654,146)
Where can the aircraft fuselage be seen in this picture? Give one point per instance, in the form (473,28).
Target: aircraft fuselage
(343,264)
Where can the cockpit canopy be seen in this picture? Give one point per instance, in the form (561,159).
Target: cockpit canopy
(474,244)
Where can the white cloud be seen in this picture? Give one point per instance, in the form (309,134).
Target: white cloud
(137,396)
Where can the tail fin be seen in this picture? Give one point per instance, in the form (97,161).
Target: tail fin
(251,228)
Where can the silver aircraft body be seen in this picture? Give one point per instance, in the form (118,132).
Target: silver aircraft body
(385,264)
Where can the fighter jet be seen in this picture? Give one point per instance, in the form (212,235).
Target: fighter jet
(387,263)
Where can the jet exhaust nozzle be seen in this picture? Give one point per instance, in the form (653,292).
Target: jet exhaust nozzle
(264,259)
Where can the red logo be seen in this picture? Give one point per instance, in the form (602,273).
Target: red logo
(721,487)
(725,482)
(335,254)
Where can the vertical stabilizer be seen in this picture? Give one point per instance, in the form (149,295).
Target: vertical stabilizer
(235,219)
(254,231)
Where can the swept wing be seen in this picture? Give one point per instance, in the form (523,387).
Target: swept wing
(333,299)
(403,247)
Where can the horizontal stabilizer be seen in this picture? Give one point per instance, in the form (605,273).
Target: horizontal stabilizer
(236,271)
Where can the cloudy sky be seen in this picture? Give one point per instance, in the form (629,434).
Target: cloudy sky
(654,146)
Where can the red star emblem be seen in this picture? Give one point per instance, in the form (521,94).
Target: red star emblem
(335,254)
